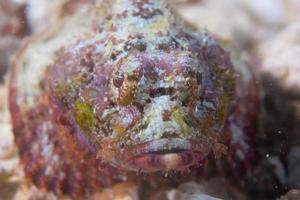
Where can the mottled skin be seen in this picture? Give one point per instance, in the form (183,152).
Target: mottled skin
(137,90)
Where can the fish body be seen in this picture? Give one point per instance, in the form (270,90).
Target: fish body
(120,87)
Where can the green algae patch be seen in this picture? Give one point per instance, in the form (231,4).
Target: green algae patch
(206,123)
(61,89)
(84,116)
(65,92)
(178,118)
(222,109)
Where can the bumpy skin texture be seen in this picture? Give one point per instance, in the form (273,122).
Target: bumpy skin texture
(124,86)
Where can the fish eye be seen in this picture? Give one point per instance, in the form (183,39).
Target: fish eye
(121,145)
(118,80)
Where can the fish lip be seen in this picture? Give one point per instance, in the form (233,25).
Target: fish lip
(160,149)
(167,145)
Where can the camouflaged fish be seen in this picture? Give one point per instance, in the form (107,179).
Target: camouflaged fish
(116,89)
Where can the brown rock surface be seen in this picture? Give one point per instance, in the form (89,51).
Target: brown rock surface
(291,195)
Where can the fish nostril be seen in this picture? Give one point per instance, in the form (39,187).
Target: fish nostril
(185,101)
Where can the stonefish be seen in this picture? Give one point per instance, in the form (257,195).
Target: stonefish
(123,89)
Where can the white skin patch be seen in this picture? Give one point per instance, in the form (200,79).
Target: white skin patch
(171,161)
(157,126)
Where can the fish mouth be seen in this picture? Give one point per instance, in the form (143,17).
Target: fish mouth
(165,154)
